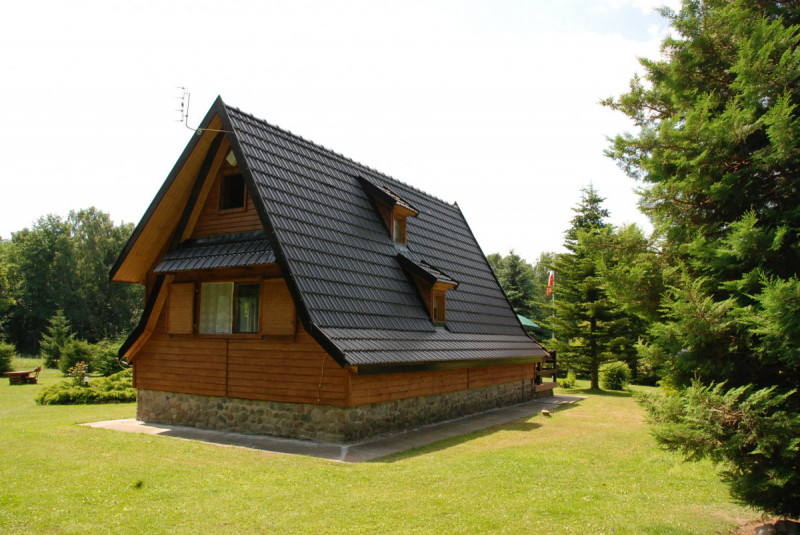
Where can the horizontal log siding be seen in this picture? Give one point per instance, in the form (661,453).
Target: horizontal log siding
(389,387)
(269,368)
(213,223)
(294,372)
(181,365)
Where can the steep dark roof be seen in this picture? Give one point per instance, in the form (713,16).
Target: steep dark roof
(342,266)
(236,250)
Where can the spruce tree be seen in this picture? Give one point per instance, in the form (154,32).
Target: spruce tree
(56,336)
(516,278)
(587,324)
(718,154)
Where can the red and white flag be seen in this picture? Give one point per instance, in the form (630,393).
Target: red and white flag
(550,283)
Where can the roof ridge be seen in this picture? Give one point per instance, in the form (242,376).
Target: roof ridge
(319,147)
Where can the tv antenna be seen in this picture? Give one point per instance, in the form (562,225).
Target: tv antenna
(185,99)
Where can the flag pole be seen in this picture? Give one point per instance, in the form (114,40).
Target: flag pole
(552,294)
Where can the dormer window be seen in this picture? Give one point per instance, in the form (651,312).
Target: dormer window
(439,315)
(432,284)
(394,210)
(231,192)
(399,230)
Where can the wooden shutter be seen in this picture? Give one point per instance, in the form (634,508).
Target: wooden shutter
(278,315)
(180,308)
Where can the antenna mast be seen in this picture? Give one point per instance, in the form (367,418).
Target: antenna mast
(185,99)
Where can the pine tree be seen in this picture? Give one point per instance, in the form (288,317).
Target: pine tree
(55,338)
(718,152)
(587,324)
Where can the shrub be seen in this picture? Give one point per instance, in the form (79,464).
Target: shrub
(104,357)
(79,374)
(117,388)
(568,381)
(73,352)
(7,354)
(615,375)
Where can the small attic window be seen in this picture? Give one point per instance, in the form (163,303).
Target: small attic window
(439,307)
(231,192)
(399,229)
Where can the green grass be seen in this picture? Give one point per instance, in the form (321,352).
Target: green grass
(591,468)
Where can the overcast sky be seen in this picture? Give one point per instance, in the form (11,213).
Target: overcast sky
(490,104)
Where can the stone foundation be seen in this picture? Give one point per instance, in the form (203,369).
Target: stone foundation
(325,423)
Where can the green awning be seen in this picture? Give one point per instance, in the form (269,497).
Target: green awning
(526,322)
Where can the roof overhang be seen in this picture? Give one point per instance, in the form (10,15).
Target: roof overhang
(157,226)
(374,369)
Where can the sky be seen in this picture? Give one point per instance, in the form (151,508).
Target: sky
(490,104)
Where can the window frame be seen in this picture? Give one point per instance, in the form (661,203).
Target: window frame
(399,229)
(234,306)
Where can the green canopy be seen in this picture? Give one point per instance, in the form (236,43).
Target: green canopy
(526,322)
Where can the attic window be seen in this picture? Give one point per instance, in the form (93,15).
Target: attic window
(399,229)
(231,192)
(439,315)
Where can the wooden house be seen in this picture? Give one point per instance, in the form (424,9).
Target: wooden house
(291,291)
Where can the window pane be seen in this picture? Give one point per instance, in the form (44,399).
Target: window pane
(216,307)
(400,230)
(231,192)
(247,308)
(438,307)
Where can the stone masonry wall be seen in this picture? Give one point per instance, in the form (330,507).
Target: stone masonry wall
(325,423)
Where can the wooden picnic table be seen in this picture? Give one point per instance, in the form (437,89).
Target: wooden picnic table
(23,377)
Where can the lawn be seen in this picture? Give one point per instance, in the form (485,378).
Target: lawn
(591,468)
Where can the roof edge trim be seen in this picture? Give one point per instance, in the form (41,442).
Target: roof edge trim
(187,152)
(372,369)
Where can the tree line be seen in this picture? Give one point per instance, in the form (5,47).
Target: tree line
(588,311)
(59,267)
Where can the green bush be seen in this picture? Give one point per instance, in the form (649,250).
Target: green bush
(615,375)
(104,357)
(568,381)
(7,354)
(117,388)
(73,352)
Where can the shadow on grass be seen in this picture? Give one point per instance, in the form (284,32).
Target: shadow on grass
(598,392)
(522,424)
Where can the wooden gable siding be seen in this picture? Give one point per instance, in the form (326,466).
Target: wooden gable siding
(213,222)
(288,369)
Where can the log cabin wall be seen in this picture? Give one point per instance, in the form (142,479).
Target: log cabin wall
(281,362)
(393,386)
(288,369)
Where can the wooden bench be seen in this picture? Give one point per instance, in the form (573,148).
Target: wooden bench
(24,377)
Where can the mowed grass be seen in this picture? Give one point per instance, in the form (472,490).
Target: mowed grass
(591,468)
